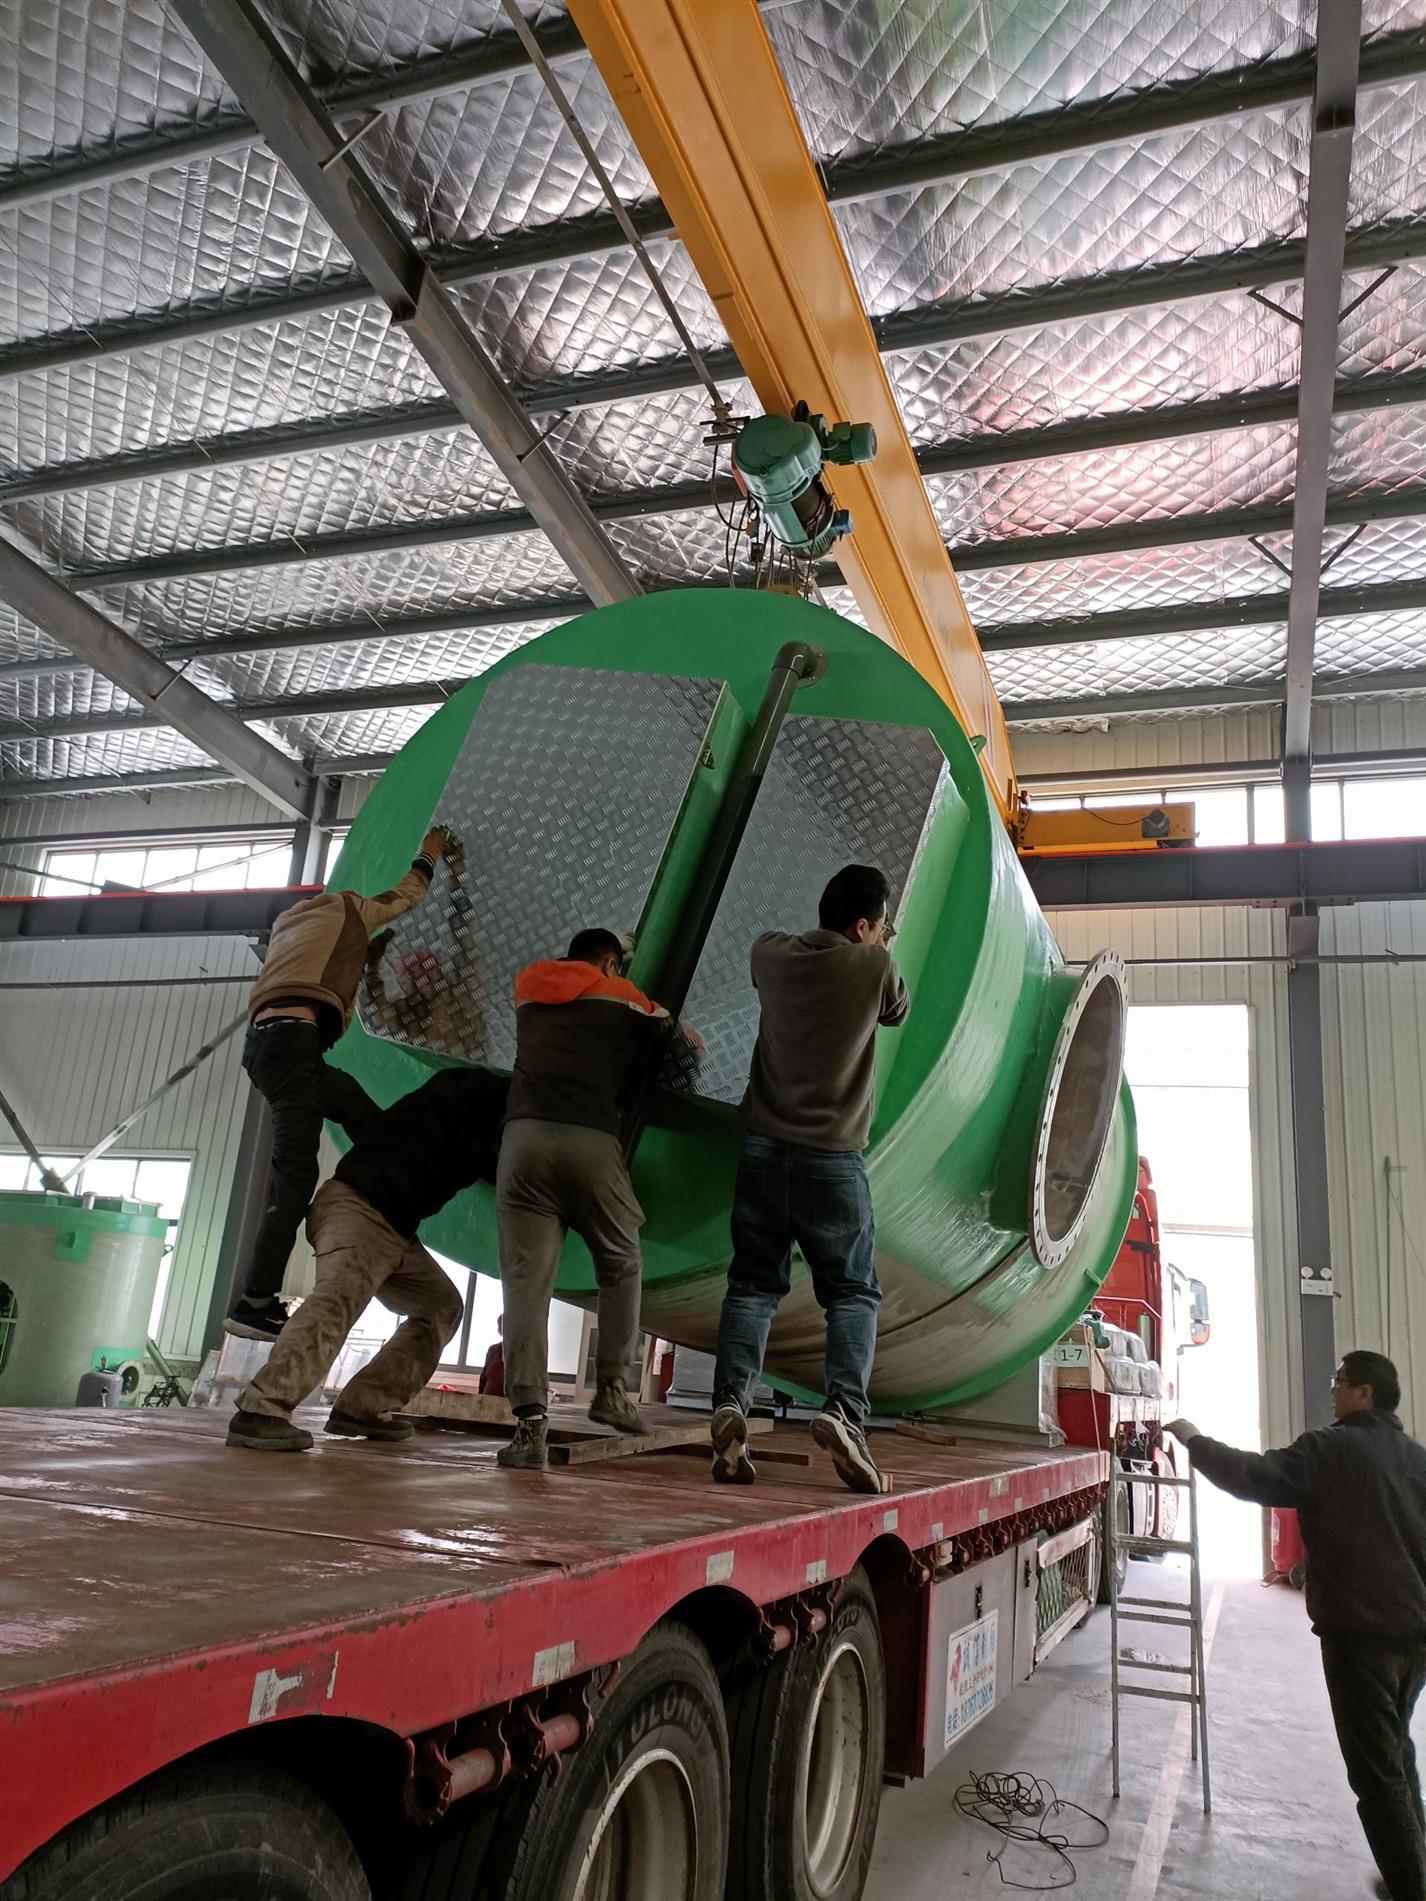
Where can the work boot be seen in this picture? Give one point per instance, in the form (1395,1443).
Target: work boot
(264,1432)
(856,1468)
(527,1450)
(731,1464)
(355,1426)
(613,1407)
(256,1319)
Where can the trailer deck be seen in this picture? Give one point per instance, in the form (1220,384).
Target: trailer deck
(161,1592)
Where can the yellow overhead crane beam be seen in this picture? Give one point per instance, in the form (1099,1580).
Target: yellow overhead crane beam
(701,91)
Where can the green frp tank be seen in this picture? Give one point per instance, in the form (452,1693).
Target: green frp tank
(1003,1155)
(77,1279)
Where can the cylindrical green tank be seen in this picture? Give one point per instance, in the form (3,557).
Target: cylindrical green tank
(584,775)
(77,1278)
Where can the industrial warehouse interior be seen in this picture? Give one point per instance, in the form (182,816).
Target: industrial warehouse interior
(713,886)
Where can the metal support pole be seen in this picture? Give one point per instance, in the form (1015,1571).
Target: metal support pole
(303,134)
(246,1202)
(1309,1162)
(313,836)
(1334,105)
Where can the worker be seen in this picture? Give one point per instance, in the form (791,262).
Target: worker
(801,1178)
(585,1040)
(492,1373)
(1359,1489)
(299,1006)
(410,1161)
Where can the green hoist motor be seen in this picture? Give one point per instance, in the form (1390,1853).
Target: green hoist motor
(779,462)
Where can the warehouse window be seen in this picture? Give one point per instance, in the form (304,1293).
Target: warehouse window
(232,864)
(159,1179)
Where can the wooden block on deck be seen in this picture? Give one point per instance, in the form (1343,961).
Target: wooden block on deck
(458,1405)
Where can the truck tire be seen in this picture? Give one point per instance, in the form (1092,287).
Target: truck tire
(639,1812)
(219,1830)
(807,1734)
(1117,1497)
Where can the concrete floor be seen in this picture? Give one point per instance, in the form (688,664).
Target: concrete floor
(1283,1821)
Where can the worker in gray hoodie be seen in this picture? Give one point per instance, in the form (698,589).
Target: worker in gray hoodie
(802,1180)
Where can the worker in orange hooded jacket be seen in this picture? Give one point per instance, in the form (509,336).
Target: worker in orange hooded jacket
(585,1040)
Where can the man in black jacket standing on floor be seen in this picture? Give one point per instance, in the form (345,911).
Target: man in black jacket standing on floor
(1359,1489)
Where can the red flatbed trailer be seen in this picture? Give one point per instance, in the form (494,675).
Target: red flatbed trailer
(163,1596)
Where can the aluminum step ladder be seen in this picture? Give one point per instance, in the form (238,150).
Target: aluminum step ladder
(1175,1614)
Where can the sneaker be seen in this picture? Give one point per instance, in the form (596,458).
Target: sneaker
(264,1432)
(731,1464)
(526,1451)
(847,1444)
(613,1407)
(262,1320)
(354,1426)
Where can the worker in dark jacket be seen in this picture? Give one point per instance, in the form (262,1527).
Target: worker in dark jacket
(802,1181)
(585,1038)
(1359,1490)
(301,1003)
(411,1159)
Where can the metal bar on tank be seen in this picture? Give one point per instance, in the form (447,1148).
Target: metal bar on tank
(796,665)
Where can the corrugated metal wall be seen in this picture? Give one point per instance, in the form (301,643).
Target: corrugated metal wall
(75,1060)
(1341,726)
(1374,1053)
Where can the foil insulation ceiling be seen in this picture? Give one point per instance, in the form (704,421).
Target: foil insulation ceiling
(210,428)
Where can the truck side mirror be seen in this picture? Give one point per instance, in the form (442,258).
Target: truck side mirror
(1199,1326)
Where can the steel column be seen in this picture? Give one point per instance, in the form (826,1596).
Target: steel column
(1309,1165)
(236,37)
(247,1199)
(1334,103)
(172,700)
(314,834)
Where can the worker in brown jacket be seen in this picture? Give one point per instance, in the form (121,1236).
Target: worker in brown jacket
(299,1006)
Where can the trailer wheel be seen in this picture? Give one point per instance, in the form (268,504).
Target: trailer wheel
(213,1831)
(807,1734)
(640,1811)
(1115,1499)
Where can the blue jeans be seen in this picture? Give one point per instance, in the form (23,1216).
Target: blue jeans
(820,1200)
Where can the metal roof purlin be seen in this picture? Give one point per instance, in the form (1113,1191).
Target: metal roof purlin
(1334,103)
(172,700)
(989,450)
(675,498)
(237,39)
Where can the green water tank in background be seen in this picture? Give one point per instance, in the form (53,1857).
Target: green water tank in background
(585,775)
(77,1279)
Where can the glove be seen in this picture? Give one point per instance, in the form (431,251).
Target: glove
(1183,1430)
(438,841)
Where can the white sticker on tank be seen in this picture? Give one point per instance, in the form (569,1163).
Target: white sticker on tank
(719,1567)
(891,1521)
(553,1664)
(817,1571)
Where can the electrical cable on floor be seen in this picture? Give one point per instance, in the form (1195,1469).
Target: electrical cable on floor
(1024,1809)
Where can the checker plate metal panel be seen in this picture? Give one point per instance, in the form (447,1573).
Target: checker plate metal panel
(838,792)
(565,796)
